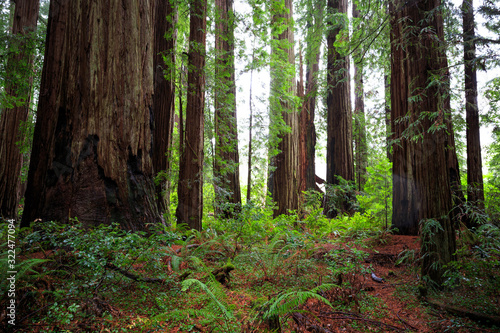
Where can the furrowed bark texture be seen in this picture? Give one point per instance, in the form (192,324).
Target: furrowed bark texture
(164,94)
(425,137)
(339,152)
(190,187)
(227,176)
(93,137)
(475,192)
(307,128)
(285,177)
(19,84)
(359,120)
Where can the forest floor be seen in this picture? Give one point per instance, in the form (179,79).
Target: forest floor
(264,289)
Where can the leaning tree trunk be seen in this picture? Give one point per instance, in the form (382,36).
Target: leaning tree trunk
(226,172)
(475,192)
(190,187)
(285,180)
(339,153)
(421,33)
(92,144)
(164,95)
(16,104)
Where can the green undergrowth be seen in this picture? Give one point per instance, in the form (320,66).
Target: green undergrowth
(253,273)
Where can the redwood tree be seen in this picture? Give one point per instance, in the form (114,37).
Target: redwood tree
(361,153)
(307,128)
(92,142)
(284,121)
(190,187)
(226,172)
(15,105)
(164,93)
(339,158)
(419,91)
(475,193)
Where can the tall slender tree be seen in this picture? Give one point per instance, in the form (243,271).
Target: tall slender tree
(339,158)
(92,142)
(190,187)
(283,110)
(314,32)
(361,153)
(226,172)
(16,104)
(164,94)
(475,192)
(421,178)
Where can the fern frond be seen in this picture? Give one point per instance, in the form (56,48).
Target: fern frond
(208,289)
(289,302)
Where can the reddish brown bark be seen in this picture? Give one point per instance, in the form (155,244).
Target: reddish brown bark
(475,191)
(164,94)
(18,93)
(285,177)
(190,187)
(361,153)
(226,172)
(92,142)
(421,176)
(339,158)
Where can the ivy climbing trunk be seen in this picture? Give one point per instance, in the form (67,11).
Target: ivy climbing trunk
(475,191)
(226,172)
(16,104)
(339,152)
(164,96)
(92,142)
(419,108)
(190,187)
(284,119)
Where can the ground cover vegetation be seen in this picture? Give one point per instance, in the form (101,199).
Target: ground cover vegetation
(249,166)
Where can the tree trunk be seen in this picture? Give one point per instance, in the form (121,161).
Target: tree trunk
(307,128)
(424,150)
(164,95)
(16,104)
(359,117)
(226,172)
(404,205)
(284,120)
(475,193)
(339,154)
(92,143)
(190,187)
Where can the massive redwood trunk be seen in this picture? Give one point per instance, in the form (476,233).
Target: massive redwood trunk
(419,92)
(475,192)
(92,143)
(339,154)
(283,110)
(16,103)
(164,95)
(190,187)
(226,173)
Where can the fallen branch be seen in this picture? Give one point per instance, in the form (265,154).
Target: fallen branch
(476,316)
(133,276)
(357,317)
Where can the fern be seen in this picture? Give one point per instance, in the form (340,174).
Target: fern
(213,290)
(288,302)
